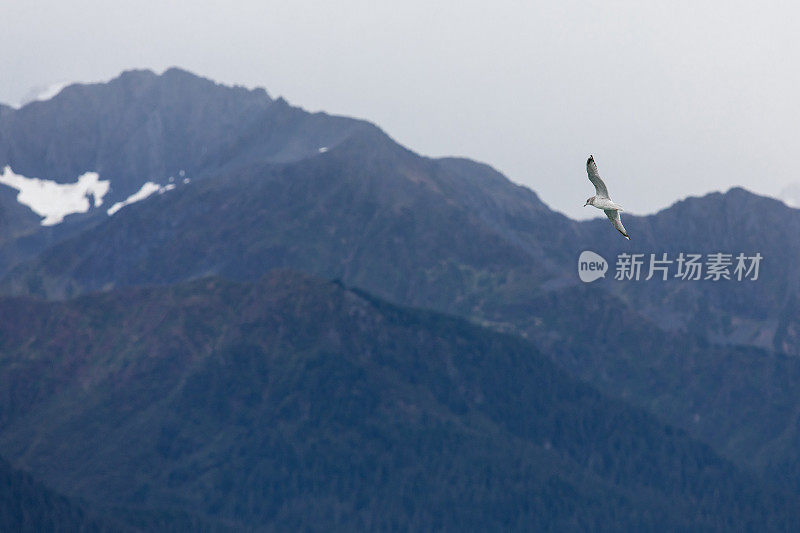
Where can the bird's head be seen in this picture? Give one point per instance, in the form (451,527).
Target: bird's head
(590,201)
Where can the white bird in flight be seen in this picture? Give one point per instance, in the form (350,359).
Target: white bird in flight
(601,200)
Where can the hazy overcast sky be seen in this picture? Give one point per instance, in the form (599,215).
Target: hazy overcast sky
(674,99)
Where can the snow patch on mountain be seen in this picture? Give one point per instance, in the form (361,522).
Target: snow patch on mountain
(148,189)
(40,94)
(53,200)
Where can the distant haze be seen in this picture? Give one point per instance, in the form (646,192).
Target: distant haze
(673,100)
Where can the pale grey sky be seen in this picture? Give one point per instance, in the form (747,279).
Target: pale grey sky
(673,100)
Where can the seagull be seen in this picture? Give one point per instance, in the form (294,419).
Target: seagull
(601,200)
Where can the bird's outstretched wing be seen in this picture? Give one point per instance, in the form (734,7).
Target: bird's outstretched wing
(594,177)
(616,220)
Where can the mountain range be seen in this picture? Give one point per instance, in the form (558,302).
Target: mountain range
(295,402)
(133,326)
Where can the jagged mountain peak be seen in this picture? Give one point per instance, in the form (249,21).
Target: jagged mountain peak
(134,81)
(142,129)
(733,198)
